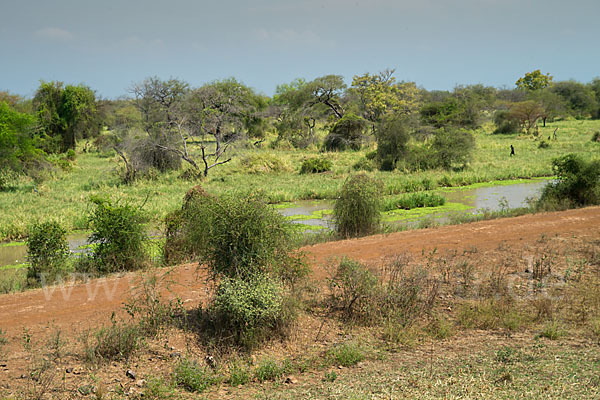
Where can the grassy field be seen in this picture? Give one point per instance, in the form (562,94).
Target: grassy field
(65,196)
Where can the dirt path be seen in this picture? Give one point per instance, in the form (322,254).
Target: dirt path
(77,306)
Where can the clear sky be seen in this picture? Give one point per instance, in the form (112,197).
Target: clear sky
(110,44)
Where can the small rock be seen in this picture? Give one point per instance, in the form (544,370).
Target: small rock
(340,367)
(291,380)
(23,376)
(69,370)
(140,383)
(527,271)
(130,374)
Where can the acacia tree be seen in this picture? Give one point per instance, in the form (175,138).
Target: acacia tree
(534,80)
(527,113)
(220,110)
(327,91)
(296,120)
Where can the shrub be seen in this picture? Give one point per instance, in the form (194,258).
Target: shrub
(543,145)
(193,378)
(364,164)
(505,123)
(315,165)
(239,235)
(596,136)
(353,288)
(47,251)
(119,235)
(117,342)
(356,210)
(392,142)
(577,184)
(452,148)
(346,354)
(248,310)
(238,374)
(414,200)
(346,133)
(269,370)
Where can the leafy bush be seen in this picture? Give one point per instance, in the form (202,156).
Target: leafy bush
(192,377)
(577,184)
(356,210)
(249,310)
(453,148)
(596,136)
(392,142)
(505,123)
(239,235)
(315,165)
(47,251)
(346,133)
(365,164)
(269,370)
(119,235)
(238,374)
(346,354)
(543,145)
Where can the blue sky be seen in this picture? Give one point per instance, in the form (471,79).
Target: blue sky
(111,44)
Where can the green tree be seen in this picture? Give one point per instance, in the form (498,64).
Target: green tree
(66,112)
(527,114)
(392,141)
(580,100)
(534,80)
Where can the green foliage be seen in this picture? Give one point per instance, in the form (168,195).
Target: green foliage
(346,133)
(392,142)
(356,210)
(534,80)
(47,251)
(269,369)
(453,148)
(248,310)
(580,101)
(66,112)
(413,200)
(118,235)
(315,165)
(263,164)
(459,111)
(543,145)
(346,354)
(239,374)
(365,164)
(157,389)
(192,377)
(238,235)
(505,123)
(353,288)
(596,136)
(577,184)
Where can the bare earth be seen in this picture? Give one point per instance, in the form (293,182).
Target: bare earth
(77,306)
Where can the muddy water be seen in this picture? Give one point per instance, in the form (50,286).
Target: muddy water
(310,213)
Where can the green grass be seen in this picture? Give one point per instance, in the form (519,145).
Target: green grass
(65,196)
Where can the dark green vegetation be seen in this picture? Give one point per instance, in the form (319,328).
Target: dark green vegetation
(47,251)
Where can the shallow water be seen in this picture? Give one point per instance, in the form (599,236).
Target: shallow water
(310,212)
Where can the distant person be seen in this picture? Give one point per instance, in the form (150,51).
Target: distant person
(512,150)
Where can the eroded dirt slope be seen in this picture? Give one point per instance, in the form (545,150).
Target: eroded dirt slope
(79,306)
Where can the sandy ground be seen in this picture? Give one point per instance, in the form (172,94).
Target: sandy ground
(76,306)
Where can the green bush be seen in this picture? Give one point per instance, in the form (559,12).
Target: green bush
(263,164)
(364,164)
(577,184)
(239,235)
(269,370)
(505,123)
(248,310)
(118,235)
(452,148)
(596,136)
(238,374)
(346,133)
(47,251)
(353,288)
(543,145)
(392,142)
(315,165)
(346,354)
(356,210)
(192,377)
